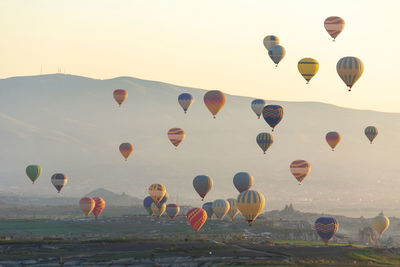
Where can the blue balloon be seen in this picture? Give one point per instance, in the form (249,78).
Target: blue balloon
(185,100)
(147,204)
(326,227)
(273,114)
(208,208)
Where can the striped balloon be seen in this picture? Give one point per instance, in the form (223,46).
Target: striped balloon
(350,70)
(86,204)
(185,100)
(214,100)
(59,180)
(308,67)
(371,132)
(334,26)
(326,227)
(333,139)
(220,208)
(176,136)
(99,206)
(202,184)
(120,95)
(208,208)
(147,204)
(158,210)
(164,199)
(277,53)
(264,140)
(233,210)
(33,172)
(196,217)
(300,169)
(270,40)
(250,203)
(157,192)
(126,150)
(173,210)
(257,106)
(273,114)
(243,181)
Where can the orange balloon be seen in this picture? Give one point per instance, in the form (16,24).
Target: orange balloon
(120,95)
(126,149)
(300,169)
(176,136)
(332,138)
(87,205)
(196,217)
(99,206)
(214,101)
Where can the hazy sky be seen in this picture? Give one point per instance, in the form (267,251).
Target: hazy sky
(209,44)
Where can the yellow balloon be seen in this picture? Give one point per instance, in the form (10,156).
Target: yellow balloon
(380,223)
(250,203)
(308,67)
(157,192)
(220,208)
(158,210)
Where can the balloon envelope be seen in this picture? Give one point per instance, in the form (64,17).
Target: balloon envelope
(196,217)
(87,205)
(220,208)
(202,184)
(243,181)
(350,70)
(300,169)
(185,100)
(233,210)
(147,204)
(158,210)
(99,205)
(33,172)
(164,199)
(257,106)
(371,132)
(273,114)
(126,149)
(176,136)
(333,139)
(334,26)
(277,53)
(308,67)
(380,223)
(214,100)
(120,95)
(157,192)
(250,203)
(270,40)
(173,210)
(59,180)
(208,208)
(326,227)
(264,141)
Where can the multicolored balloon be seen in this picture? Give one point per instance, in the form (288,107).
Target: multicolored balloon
(157,192)
(176,136)
(270,41)
(277,53)
(333,139)
(371,132)
(264,141)
(233,210)
(220,208)
(86,204)
(196,217)
(202,184)
(33,172)
(350,70)
(334,26)
(164,199)
(308,67)
(158,210)
(250,203)
(120,95)
(326,227)
(59,180)
(173,210)
(300,169)
(147,204)
(208,208)
(214,100)
(380,223)
(126,150)
(273,114)
(185,100)
(243,181)
(257,106)
(99,205)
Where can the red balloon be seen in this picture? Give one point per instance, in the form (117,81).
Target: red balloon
(120,95)
(99,205)
(196,217)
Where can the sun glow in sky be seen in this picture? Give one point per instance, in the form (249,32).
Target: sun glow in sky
(209,44)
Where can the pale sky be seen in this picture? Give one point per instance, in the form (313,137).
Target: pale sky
(209,44)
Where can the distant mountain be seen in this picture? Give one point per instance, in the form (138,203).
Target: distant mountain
(72,124)
(113,199)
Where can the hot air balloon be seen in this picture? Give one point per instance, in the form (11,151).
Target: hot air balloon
(157,192)
(120,95)
(59,180)
(257,106)
(380,223)
(233,210)
(158,210)
(243,181)
(202,184)
(264,140)
(33,172)
(276,53)
(214,101)
(176,136)
(308,67)
(99,206)
(220,208)
(270,40)
(300,169)
(87,205)
(371,132)
(273,114)
(250,203)
(164,199)
(208,208)
(196,217)
(147,204)
(126,150)
(350,70)
(333,139)
(334,26)
(173,210)
(326,227)
(185,100)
